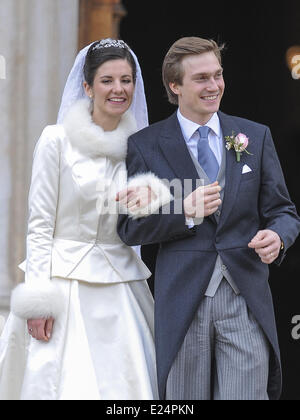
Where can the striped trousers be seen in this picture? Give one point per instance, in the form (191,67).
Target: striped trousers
(225,354)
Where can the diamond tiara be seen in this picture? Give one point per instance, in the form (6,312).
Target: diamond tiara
(108,43)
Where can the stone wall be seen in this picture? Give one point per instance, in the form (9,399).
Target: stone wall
(38,43)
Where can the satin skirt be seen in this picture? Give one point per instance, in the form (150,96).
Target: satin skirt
(102,347)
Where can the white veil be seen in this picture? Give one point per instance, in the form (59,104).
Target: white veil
(74,90)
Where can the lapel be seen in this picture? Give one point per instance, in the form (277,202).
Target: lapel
(233,169)
(176,151)
(178,156)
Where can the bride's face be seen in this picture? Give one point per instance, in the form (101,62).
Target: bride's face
(113,88)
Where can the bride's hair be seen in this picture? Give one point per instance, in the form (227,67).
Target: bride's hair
(105,50)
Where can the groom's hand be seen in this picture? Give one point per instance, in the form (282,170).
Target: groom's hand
(203,202)
(267,245)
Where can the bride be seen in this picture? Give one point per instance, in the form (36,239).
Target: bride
(81,325)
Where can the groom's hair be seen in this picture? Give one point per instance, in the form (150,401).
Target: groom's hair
(172,70)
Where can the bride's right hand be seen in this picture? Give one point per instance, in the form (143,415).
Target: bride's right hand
(136,197)
(40,329)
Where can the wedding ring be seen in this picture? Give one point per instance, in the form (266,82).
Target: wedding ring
(271,255)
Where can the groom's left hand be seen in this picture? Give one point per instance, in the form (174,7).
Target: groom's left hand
(267,245)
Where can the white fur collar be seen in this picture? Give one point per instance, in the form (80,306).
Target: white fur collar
(91,139)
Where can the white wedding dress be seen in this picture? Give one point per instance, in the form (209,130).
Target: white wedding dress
(101,348)
(102,345)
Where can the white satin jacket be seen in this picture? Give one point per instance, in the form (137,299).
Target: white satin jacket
(77,171)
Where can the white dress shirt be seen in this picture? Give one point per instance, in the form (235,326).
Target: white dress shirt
(191,135)
(215,138)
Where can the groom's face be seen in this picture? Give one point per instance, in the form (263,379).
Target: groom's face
(202,88)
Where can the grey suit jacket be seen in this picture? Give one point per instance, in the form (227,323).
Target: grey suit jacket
(187,257)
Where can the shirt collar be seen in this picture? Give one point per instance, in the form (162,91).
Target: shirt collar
(189,127)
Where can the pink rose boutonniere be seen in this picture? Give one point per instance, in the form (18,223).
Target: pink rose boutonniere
(239,143)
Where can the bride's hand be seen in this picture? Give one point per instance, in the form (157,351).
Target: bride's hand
(136,197)
(40,329)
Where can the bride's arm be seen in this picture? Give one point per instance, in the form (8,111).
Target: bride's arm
(144,194)
(165,219)
(37,298)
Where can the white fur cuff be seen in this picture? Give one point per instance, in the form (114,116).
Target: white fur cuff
(32,301)
(161,191)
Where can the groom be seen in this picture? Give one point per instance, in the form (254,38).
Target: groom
(215,327)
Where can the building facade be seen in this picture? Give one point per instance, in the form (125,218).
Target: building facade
(35,61)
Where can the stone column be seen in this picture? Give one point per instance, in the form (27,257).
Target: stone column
(38,40)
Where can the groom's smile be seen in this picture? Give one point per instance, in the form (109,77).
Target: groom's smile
(210,98)
(202,88)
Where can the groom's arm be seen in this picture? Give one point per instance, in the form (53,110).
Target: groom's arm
(278,213)
(164,225)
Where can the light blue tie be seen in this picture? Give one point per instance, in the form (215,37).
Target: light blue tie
(206,156)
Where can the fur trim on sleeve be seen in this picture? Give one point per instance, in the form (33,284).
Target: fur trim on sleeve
(158,187)
(32,301)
